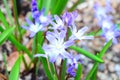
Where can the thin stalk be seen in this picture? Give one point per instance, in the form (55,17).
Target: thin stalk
(8,11)
(25,63)
(18,29)
(60,73)
(5,62)
(75,5)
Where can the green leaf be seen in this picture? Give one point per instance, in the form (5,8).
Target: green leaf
(5,63)
(118,26)
(47,4)
(14,74)
(64,67)
(53,4)
(79,72)
(4,35)
(45,64)
(60,5)
(40,2)
(18,28)
(105,48)
(52,67)
(94,68)
(86,53)
(92,73)
(8,11)
(3,19)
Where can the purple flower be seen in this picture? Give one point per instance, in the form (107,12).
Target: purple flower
(57,46)
(79,35)
(72,64)
(69,18)
(40,20)
(39,15)
(34,27)
(44,19)
(112,34)
(35,11)
(105,21)
(58,24)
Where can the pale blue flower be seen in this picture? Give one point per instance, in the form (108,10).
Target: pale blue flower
(111,34)
(40,20)
(105,22)
(72,63)
(58,24)
(79,34)
(34,27)
(69,17)
(57,46)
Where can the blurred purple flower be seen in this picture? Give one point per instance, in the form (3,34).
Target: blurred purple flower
(79,35)
(101,13)
(69,18)
(105,22)
(112,34)
(58,24)
(72,64)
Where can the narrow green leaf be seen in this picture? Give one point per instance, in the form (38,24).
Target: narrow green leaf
(8,11)
(52,69)
(4,35)
(3,20)
(105,48)
(45,64)
(63,73)
(93,72)
(53,4)
(5,63)
(94,68)
(87,54)
(18,28)
(55,77)
(40,4)
(14,74)
(94,76)
(17,44)
(79,72)
(60,5)
(47,6)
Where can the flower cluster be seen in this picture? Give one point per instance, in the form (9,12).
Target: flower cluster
(40,20)
(57,35)
(105,21)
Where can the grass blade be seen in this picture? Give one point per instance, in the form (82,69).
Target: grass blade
(63,73)
(17,44)
(8,11)
(4,35)
(3,20)
(79,72)
(18,29)
(92,73)
(60,5)
(14,74)
(87,54)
